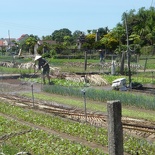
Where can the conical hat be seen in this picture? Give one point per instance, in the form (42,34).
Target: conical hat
(37,57)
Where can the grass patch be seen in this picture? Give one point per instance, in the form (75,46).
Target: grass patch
(5,70)
(127,111)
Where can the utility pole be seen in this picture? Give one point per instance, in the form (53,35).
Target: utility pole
(128,52)
(96,37)
(9,39)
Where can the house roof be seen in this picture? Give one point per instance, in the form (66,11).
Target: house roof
(22,37)
(6,41)
(1,43)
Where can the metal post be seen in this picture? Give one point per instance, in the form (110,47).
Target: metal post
(85,105)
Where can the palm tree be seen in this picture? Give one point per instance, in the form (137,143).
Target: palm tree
(30,42)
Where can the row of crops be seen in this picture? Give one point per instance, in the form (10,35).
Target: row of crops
(42,142)
(126,98)
(39,142)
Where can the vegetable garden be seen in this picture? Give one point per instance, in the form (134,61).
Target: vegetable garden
(29,130)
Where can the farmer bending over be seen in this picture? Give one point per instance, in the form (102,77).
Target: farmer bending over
(42,63)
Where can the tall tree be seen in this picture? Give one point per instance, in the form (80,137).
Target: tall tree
(48,37)
(58,35)
(109,41)
(102,31)
(30,42)
(119,34)
(76,35)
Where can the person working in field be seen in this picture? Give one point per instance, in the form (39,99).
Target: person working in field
(42,63)
(101,52)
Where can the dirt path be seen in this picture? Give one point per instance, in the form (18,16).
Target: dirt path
(14,86)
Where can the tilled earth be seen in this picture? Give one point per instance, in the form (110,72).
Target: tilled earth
(14,86)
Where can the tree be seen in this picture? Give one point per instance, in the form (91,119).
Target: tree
(44,48)
(109,41)
(75,37)
(142,24)
(15,48)
(30,42)
(67,41)
(48,37)
(58,48)
(119,34)
(58,35)
(89,31)
(102,31)
(89,40)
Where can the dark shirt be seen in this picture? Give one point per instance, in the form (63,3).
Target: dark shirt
(43,63)
(101,54)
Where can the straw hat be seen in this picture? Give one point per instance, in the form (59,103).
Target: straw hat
(37,57)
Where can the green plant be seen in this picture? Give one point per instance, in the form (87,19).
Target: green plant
(126,98)
(41,142)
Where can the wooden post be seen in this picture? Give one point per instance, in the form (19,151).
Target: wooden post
(32,94)
(85,63)
(145,64)
(115,131)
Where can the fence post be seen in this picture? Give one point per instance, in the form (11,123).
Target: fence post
(85,106)
(145,64)
(32,94)
(115,131)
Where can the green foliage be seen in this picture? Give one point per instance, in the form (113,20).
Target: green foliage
(99,45)
(137,146)
(58,35)
(63,82)
(58,48)
(41,142)
(93,105)
(32,140)
(30,42)
(109,41)
(16,70)
(59,82)
(90,38)
(126,98)
(141,24)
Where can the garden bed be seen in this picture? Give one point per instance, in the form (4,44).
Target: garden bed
(16,86)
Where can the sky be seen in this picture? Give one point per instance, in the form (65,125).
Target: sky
(43,17)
